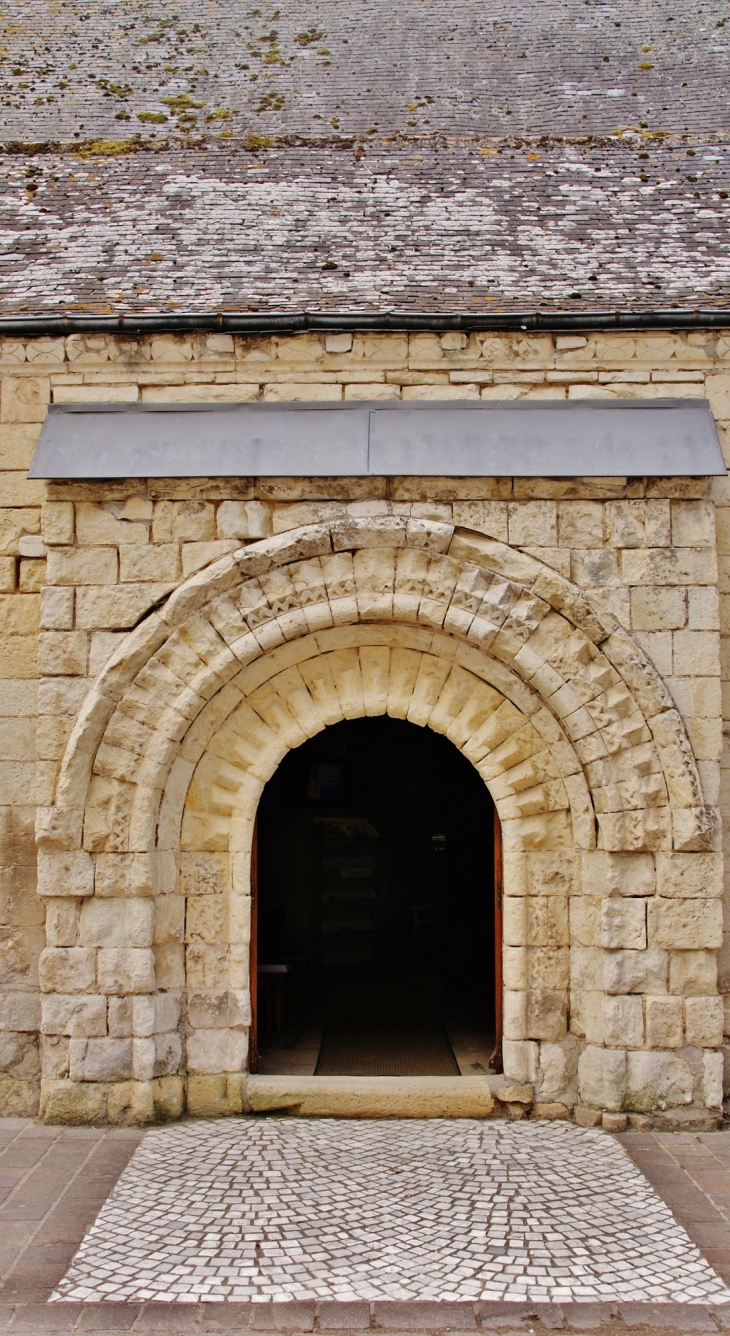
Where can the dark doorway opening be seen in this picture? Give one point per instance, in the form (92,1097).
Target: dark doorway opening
(374,950)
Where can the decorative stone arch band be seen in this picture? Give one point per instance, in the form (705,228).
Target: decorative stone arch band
(611,870)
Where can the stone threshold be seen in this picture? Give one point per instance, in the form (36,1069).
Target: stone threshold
(604,1319)
(488,1096)
(376,1096)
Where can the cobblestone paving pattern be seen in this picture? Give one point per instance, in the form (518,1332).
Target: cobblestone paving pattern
(400,1210)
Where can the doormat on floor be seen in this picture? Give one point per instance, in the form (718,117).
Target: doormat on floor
(385,1048)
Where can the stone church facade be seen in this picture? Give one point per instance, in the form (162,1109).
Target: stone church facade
(166,642)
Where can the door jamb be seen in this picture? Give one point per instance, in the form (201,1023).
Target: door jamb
(253,1034)
(496,1061)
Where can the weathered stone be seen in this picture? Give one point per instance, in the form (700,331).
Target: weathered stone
(67,969)
(78,1017)
(685,924)
(100,1059)
(111,923)
(635,971)
(657,1080)
(65,873)
(602,1077)
(703,1021)
(126,970)
(663,1022)
(623,923)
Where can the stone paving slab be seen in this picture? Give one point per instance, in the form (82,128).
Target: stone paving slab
(385,1211)
(691,1172)
(507,1319)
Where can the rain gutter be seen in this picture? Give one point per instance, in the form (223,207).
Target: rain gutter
(267,323)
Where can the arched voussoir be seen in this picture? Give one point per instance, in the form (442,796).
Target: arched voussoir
(296,601)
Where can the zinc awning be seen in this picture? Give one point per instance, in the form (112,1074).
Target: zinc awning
(634,438)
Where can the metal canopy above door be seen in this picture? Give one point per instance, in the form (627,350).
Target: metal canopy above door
(638,438)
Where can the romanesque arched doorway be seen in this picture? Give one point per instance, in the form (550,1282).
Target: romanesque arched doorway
(145,854)
(373,943)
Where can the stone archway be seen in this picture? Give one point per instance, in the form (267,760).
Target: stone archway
(144,856)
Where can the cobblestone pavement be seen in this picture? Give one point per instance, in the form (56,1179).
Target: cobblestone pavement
(394,1210)
(53,1181)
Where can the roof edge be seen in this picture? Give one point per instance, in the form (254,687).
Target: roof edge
(258,323)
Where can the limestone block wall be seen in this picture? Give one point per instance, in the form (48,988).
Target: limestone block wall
(633,948)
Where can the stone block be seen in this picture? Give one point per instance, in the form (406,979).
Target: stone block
(514,1014)
(82,566)
(712,1079)
(696,654)
(57,608)
(99,525)
(32,575)
(585,920)
(117,922)
(126,970)
(693,524)
(208,1051)
(130,1103)
(637,523)
(120,1016)
(692,972)
(19,614)
(689,876)
(17,742)
(195,556)
(154,561)
(657,608)
(547,1014)
(520,1061)
(168,1093)
(25,400)
(21,1012)
(167,1011)
(65,873)
(635,971)
(170,965)
(58,523)
(685,924)
(623,923)
(585,1117)
(168,1054)
(703,1021)
(143,1059)
(610,874)
(533,524)
(703,609)
(100,608)
(63,653)
(54,1055)
(73,1015)
(243,519)
(668,566)
(580,524)
(663,1022)
(602,1077)
(695,828)
(657,1080)
(623,1022)
(487,517)
(67,969)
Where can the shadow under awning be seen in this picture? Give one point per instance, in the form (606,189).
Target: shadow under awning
(636,438)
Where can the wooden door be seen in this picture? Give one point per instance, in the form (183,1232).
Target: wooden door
(253,1035)
(497,1055)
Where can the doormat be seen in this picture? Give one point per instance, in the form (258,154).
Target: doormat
(385,1048)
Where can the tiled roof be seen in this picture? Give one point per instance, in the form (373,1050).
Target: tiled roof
(424,155)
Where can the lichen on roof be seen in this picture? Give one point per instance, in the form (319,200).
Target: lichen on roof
(432,155)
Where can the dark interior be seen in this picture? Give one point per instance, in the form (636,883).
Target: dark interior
(375,906)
